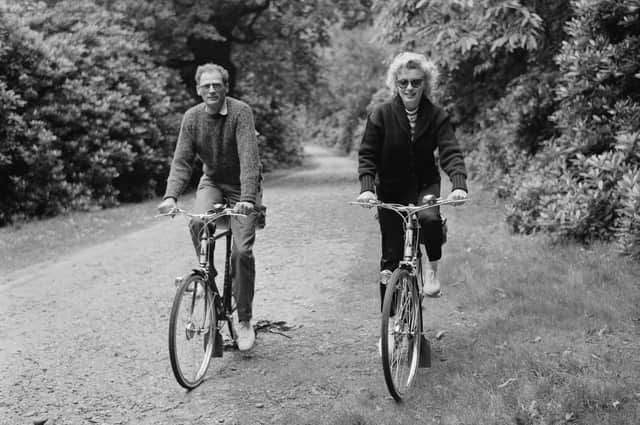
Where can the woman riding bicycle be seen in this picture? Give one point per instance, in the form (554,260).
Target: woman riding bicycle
(396,162)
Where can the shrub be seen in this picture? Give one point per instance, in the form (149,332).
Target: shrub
(88,119)
(114,115)
(31,168)
(593,179)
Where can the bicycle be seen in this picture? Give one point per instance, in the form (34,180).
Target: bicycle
(206,311)
(404,348)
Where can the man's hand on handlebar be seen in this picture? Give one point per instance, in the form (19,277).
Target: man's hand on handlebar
(167,205)
(243,207)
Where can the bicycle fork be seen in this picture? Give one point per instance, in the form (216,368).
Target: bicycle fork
(412,256)
(411,243)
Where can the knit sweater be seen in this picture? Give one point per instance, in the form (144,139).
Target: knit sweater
(388,157)
(226,145)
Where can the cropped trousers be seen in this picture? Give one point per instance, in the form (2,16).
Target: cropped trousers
(391,225)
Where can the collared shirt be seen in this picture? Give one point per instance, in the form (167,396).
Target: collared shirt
(223,109)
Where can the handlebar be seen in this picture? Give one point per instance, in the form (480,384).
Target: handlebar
(408,209)
(210,216)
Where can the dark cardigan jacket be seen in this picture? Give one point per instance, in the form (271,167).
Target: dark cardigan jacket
(389,158)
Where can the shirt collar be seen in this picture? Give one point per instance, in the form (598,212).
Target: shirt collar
(224,110)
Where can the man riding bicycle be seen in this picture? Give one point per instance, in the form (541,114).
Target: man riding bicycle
(221,132)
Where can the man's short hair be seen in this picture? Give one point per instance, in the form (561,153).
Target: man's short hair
(212,67)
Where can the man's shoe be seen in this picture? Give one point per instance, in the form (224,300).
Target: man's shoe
(246,335)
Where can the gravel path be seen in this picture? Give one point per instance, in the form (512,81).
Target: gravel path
(84,340)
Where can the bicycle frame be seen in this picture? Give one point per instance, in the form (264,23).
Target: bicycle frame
(216,307)
(208,267)
(411,226)
(411,243)
(403,346)
(208,238)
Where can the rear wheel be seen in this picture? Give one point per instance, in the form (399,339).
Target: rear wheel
(191,331)
(400,333)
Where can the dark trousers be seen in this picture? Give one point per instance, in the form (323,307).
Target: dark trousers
(243,268)
(391,225)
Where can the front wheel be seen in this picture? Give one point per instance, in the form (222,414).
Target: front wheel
(191,330)
(400,332)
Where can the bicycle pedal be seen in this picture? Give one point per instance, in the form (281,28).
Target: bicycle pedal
(229,343)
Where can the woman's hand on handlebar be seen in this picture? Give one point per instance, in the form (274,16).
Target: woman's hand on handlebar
(367,196)
(457,195)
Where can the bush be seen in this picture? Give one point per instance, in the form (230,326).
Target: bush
(591,168)
(114,108)
(31,168)
(87,108)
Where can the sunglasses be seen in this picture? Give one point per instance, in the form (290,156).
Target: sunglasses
(403,84)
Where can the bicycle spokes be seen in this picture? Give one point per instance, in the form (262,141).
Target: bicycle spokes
(402,340)
(190,331)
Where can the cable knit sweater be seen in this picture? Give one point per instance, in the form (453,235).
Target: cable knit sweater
(226,145)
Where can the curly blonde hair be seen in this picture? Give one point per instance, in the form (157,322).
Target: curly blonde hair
(411,60)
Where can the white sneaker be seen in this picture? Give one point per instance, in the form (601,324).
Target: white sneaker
(431,286)
(246,335)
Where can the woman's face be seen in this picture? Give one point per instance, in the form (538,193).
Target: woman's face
(410,85)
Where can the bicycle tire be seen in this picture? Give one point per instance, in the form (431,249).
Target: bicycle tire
(192,323)
(400,333)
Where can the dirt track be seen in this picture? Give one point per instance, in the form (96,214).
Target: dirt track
(84,340)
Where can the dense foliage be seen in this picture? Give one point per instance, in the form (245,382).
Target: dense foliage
(585,183)
(547,96)
(92,91)
(87,120)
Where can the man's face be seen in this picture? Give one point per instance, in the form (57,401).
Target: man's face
(212,90)
(410,85)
